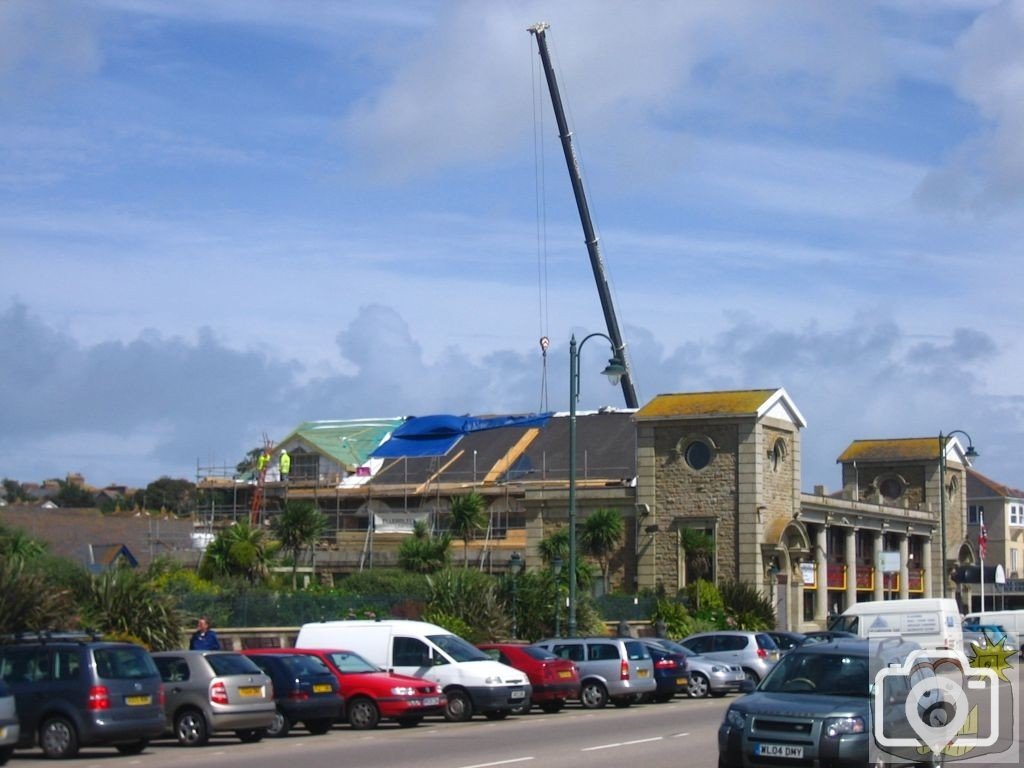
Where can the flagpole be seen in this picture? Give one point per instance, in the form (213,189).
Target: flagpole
(982,545)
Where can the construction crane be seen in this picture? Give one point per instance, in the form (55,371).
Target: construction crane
(596,263)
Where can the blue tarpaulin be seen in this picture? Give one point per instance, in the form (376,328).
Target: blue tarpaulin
(436,435)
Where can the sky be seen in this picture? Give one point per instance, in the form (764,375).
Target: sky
(221,218)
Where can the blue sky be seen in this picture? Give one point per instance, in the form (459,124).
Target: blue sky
(219,219)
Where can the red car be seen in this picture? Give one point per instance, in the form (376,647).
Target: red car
(553,679)
(372,694)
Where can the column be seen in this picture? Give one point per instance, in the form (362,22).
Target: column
(877,541)
(821,579)
(904,566)
(926,561)
(851,567)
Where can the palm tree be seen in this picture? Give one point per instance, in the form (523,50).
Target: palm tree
(601,535)
(124,603)
(239,550)
(298,529)
(554,545)
(698,553)
(467,518)
(423,553)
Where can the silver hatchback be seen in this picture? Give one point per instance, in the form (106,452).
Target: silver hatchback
(755,652)
(615,669)
(209,691)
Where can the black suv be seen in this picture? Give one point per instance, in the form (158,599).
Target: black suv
(73,691)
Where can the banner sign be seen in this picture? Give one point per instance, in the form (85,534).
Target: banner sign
(397,522)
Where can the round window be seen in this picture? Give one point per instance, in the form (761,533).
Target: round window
(698,454)
(891,488)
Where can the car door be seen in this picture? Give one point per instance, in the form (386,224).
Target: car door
(21,668)
(730,648)
(177,676)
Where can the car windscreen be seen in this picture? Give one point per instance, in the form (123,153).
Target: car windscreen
(124,663)
(538,653)
(458,648)
(232,664)
(821,674)
(351,663)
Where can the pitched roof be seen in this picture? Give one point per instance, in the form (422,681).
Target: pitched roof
(349,442)
(742,402)
(902,449)
(979,486)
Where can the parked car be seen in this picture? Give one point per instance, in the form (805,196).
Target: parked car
(305,691)
(371,694)
(706,677)
(74,690)
(211,691)
(825,636)
(786,641)
(755,652)
(985,635)
(615,669)
(670,671)
(10,731)
(815,707)
(553,679)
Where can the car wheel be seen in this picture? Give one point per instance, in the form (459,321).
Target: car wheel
(363,714)
(751,676)
(58,739)
(522,709)
(460,706)
(132,747)
(593,695)
(190,728)
(409,722)
(5,754)
(319,726)
(551,707)
(497,714)
(251,735)
(697,686)
(279,726)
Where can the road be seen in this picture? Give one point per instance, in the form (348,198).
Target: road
(681,732)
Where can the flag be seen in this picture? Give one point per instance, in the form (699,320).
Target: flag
(982,539)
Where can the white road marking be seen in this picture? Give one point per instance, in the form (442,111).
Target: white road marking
(678,735)
(621,744)
(499,762)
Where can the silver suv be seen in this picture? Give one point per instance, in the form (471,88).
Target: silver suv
(755,652)
(611,668)
(10,731)
(209,691)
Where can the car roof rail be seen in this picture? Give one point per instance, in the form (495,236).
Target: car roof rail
(26,637)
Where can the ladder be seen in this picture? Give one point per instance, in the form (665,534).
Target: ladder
(257,503)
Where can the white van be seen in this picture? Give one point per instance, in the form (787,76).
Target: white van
(472,681)
(929,622)
(1011,621)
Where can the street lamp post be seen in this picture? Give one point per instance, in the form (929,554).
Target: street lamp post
(614,371)
(515,565)
(556,570)
(969,454)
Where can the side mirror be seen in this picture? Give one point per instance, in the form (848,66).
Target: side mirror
(747,686)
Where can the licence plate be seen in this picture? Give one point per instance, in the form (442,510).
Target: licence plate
(517,693)
(681,681)
(565,674)
(249,690)
(779,750)
(321,688)
(138,701)
(641,673)
(431,701)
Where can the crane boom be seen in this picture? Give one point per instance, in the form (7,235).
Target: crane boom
(596,262)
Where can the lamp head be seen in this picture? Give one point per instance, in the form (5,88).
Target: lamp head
(556,565)
(615,370)
(971,453)
(515,563)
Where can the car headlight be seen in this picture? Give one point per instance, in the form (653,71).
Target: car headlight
(493,680)
(402,690)
(735,718)
(837,726)
(716,669)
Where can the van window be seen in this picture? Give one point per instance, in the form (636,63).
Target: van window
(636,651)
(124,663)
(845,624)
(66,665)
(410,652)
(457,648)
(572,651)
(603,652)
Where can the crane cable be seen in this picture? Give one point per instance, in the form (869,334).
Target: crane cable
(540,193)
